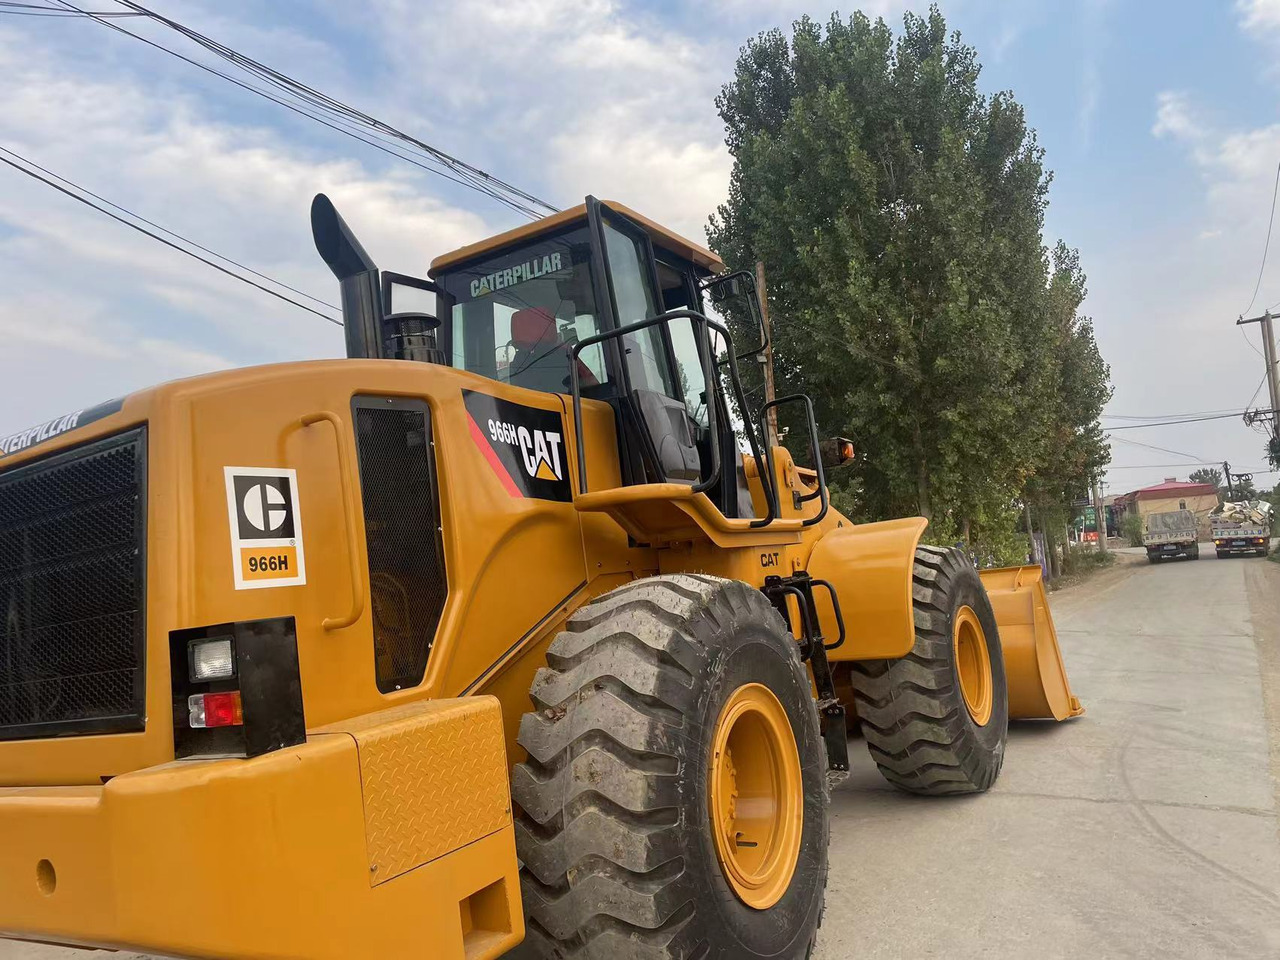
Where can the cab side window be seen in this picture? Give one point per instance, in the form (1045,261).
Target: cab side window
(678,294)
(645,352)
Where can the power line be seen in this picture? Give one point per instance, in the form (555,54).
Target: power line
(42,10)
(343,128)
(155,236)
(1152,446)
(305,100)
(1256,392)
(1250,342)
(163,229)
(335,123)
(1166,423)
(1261,471)
(1267,246)
(1166,416)
(1159,466)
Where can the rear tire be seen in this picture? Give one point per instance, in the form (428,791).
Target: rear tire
(615,829)
(920,727)
(1195,552)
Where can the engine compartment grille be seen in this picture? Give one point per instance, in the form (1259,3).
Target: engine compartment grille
(72,591)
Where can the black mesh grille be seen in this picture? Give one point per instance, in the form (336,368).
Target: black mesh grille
(407,581)
(71,591)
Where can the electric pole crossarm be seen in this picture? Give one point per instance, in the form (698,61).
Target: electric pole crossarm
(1273,384)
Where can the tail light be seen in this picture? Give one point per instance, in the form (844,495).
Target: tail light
(236,689)
(206,710)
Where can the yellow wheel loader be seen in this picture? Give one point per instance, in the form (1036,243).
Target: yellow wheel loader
(511,631)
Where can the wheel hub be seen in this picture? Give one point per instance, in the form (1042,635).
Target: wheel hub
(757,796)
(973,665)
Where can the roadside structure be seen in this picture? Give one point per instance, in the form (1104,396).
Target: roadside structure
(1173,494)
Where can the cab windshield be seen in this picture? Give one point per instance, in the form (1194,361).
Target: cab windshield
(516,316)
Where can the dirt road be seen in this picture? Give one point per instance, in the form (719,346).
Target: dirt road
(1147,828)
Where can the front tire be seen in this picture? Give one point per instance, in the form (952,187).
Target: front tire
(628,787)
(937,719)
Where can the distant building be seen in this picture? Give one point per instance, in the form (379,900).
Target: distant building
(1173,494)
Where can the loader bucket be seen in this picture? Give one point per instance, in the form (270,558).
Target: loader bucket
(1033,667)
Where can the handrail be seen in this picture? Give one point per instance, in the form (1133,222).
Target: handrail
(813,441)
(707,373)
(349,516)
(710,377)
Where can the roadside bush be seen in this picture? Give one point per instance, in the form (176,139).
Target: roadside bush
(1080,558)
(1131,529)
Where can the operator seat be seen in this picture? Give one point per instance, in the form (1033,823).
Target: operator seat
(541,360)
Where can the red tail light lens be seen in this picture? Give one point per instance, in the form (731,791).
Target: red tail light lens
(215,709)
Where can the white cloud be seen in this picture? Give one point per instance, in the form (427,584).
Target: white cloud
(1174,117)
(1259,15)
(82,290)
(590,97)
(1092,15)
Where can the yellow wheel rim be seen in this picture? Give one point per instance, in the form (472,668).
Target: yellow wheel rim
(973,665)
(756,796)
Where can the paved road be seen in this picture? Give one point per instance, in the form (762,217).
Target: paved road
(1147,828)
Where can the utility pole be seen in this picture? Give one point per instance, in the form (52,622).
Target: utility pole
(1226,472)
(771,422)
(1269,356)
(1100,516)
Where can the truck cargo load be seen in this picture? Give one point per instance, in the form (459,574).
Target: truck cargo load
(1171,534)
(1241,528)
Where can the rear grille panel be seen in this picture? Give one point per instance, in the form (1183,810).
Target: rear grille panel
(407,581)
(72,591)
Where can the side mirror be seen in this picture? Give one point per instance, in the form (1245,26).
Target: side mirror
(735,296)
(836,452)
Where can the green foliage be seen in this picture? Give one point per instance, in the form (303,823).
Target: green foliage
(1273,497)
(1079,558)
(1131,529)
(899,213)
(995,541)
(1243,489)
(1207,475)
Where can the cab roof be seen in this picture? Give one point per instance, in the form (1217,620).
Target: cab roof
(660,235)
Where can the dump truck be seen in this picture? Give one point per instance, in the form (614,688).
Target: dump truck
(509,631)
(1241,528)
(1171,534)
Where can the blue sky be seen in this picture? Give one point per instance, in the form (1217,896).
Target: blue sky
(1160,122)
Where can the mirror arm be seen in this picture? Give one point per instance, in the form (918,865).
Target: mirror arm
(756,311)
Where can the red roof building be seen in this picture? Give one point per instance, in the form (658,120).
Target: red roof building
(1200,498)
(1173,488)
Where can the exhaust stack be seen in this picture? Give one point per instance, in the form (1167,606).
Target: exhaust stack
(362,311)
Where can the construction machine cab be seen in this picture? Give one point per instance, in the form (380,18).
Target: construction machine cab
(596,302)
